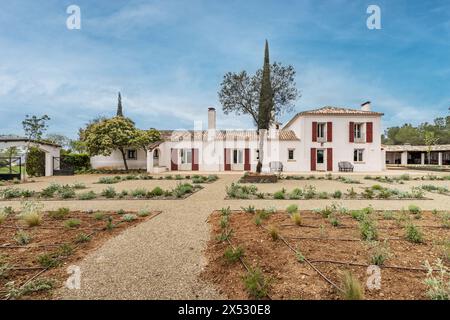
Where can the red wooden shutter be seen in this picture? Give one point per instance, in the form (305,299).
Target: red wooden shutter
(369,132)
(329,159)
(194,159)
(226,159)
(247,159)
(329,131)
(173,159)
(351,132)
(314,131)
(313,159)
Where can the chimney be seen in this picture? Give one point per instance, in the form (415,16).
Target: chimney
(211,118)
(366,106)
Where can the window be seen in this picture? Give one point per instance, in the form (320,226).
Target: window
(358,131)
(320,156)
(186,156)
(358,155)
(238,156)
(291,154)
(132,154)
(321,130)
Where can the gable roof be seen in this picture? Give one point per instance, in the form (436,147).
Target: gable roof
(202,135)
(14,138)
(328,110)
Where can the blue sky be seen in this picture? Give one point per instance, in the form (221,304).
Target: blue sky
(168,58)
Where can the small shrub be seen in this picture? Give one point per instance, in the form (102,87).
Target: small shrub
(334,221)
(413,234)
(296,194)
(224,222)
(351,193)
(255,283)
(293,208)
(143,212)
(225,211)
(368,229)
(139,193)
(66,192)
(99,216)
(38,285)
(59,214)
(249,209)
(65,250)
(438,282)
(121,211)
(413,209)
(337,194)
(258,220)
(47,260)
(379,253)
(109,193)
(129,217)
(87,195)
(323,195)
(388,215)
(232,255)
(353,289)
(82,238)
(109,223)
(296,218)
(279,195)
(157,191)
(3,216)
(72,223)
(22,238)
(79,185)
(300,257)
(32,219)
(274,233)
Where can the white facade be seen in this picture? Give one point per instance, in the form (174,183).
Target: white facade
(115,160)
(295,146)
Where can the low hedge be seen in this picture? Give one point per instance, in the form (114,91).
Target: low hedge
(79,161)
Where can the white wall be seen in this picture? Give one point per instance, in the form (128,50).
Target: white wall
(342,148)
(115,161)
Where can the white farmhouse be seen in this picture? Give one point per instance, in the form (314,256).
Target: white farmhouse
(315,140)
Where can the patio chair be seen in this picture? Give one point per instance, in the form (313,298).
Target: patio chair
(345,166)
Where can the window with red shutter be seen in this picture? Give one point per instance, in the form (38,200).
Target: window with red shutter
(314,131)
(329,132)
(313,159)
(351,132)
(369,132)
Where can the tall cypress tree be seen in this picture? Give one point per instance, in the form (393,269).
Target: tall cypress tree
(119,107)
(266,95)
(266,107)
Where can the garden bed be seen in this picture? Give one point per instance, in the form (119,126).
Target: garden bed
(375,192)
(306,254)
(34,259)
(258,178)
(68,192)
(195,179)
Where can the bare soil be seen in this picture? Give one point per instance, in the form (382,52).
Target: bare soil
(321,243)
(47,239)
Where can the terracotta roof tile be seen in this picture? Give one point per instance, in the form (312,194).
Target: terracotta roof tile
(174,135)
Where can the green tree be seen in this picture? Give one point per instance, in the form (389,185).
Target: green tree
(59,139)
(430,140)
(240,93)
(34,127)
(118,133)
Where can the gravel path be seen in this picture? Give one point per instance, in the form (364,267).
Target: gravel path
(162,258)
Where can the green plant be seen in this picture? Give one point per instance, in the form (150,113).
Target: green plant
(82,238)
(337,194)
(256,284)
(79,185)
(413,209)
(35,164)
(309,192)
(72,223)
(121,211)
(300,257)
(59,214)
(249,209)
(292,208)
(99,215)
(139,193)
(379,252)
(334,220)
(109,193)
(413,233)
(109,223)
(351,193)
(225,211)
(232,255)
(32,219)
(258,220)
(296,218)
(65,250)
(279,195)
(3,216)
(296,194)
(22,238)
(38,285)
(224,222)
(368,229)
(225,235)
(352,288)
(129,217)
(48,260)
(66,192)
(274,233)
(143,212)
(157,191)
(87,195)
(323,195)
(438,283)
(388,215)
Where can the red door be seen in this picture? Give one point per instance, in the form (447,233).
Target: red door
(247,159)
(329,159)
(226,159)
(313,159)
(173,159)
(194,159)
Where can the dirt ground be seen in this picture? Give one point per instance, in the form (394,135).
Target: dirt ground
(290,279)
(47,238)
